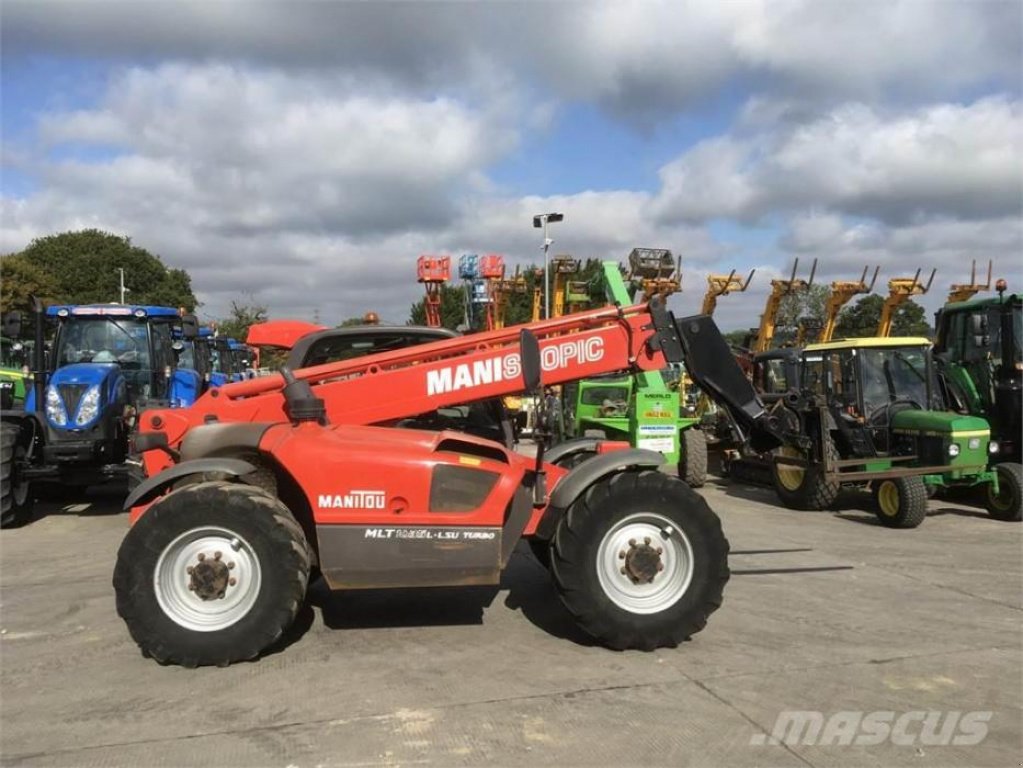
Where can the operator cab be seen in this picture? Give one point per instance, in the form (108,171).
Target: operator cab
(138,340)
(487,418)
(867,381)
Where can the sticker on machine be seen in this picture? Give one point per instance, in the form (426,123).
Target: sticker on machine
(656,437)
(431,534)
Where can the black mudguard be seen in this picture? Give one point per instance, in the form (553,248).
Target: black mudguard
(585,475)
(567,448)
(154,486)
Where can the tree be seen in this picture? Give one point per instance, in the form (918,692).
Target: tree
(20,279)
(236,326)
(801,308)
(863,317)
(452,308)
(84,267)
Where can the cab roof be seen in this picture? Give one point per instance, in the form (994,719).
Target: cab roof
(109,310)
(871,341)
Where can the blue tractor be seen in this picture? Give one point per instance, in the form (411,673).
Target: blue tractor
(105,364)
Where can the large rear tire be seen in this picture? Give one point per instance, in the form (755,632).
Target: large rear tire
(16,493)
(1007,504)
(640,561)
(805,488)
(901,501)
(212,573)
(692,464)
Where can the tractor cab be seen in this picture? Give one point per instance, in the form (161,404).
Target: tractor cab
(881,390)
(775,373)
(979,350)
(13,362)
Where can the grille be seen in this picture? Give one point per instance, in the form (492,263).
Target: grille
(933,451)
(71,394)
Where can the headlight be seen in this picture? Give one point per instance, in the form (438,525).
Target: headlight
(993,447)
(953,450)
(974,443)
(55,410)
(88,409)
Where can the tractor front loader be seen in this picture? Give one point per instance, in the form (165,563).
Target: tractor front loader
(264,483)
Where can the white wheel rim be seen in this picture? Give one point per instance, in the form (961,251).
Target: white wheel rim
(669,583)
(172,578)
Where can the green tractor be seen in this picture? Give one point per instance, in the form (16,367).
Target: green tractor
(870,412)
(645,409)
(13,363)
(979,352)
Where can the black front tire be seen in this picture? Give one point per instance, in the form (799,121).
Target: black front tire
(604,600)
(274,541)
(901,502)
(692,464)
(807,488)
(16,493)
(1007,505)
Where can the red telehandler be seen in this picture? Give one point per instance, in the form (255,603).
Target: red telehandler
(262,483)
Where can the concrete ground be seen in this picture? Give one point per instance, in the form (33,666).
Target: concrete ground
(825,612)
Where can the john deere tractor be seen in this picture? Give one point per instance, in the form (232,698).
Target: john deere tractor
(979,351)
(13,362)
(870,411)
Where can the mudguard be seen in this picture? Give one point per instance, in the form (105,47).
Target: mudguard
(567,448)
(151,488)
(585,475)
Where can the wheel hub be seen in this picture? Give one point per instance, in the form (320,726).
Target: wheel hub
(210,579)
(642,561)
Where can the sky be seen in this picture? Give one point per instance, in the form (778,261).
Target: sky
(302,155)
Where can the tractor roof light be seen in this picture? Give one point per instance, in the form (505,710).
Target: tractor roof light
(139,313)
(63,312)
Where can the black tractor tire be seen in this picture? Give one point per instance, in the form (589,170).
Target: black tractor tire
(901,502)
(218,522)
(608,569)
(806,488)
(1007,505)
(16,494)
(692,462)
(541,549)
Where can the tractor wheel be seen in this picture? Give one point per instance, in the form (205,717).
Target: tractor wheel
(640,561)
(211,574)
(692,464)
(1006,504)
(16,499)
(541,549)
(800,488)
(901,501)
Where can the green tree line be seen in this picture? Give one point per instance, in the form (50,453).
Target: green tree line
(84,268)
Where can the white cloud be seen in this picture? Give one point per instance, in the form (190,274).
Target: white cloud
(637,60)
(941,160)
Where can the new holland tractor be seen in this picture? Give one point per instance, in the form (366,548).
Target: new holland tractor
(871,412)
(265,483)
(105,365)
(979,351)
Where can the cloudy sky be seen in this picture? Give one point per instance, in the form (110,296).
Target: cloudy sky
(302,155)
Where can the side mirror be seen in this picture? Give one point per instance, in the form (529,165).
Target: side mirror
(189,327)
(12,324)
(532,375)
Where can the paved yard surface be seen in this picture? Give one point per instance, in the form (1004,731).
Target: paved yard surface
(825,612)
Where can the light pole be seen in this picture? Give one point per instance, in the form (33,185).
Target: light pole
(123,289)
(542,220)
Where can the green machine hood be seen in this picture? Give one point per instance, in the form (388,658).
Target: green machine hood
(945,422)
